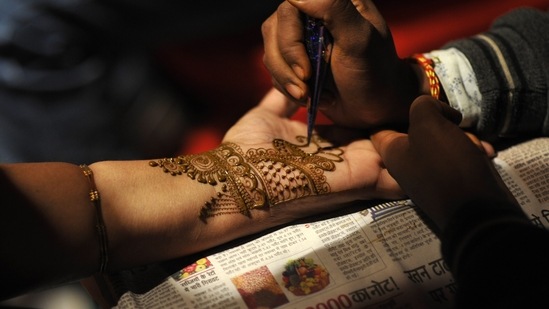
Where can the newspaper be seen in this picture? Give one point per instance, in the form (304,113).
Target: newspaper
(385,256)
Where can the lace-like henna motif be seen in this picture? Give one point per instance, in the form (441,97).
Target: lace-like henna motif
(259,178)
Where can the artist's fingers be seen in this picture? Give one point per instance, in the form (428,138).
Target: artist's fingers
(291,40)
(369,12)
(428,112)
(285,56)
(489,149)
(482,145)
(275,102)
(387,187)
(351,22)
(424,114)
(389,141)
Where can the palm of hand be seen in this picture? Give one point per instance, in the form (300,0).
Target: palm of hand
(360,172)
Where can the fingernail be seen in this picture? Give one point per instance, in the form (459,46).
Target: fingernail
(298,71)
(294,91)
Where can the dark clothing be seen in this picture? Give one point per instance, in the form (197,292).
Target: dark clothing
(511,64)
(80,80)
(498,257)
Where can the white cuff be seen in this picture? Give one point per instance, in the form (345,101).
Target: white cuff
(459,82)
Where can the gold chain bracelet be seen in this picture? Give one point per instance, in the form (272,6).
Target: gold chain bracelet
(95,199)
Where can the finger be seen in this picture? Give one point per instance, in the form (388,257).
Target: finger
(455,117)
(387,187)
(389,142)
(275,102)
(286,78)
(283,89)
(426,109)
(434,122)
(489,149)
(450,113)
(369,12)
(483,146)
(351,22)
(291,40)
(432,114)
(475,141)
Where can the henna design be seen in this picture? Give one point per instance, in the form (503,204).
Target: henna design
(259,178)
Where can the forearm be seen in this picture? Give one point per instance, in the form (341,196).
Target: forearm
(47,226)
(49,222)
(153,216)
(156,210)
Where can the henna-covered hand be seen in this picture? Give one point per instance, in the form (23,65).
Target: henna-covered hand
(265,161)
(261,170)
(259,178)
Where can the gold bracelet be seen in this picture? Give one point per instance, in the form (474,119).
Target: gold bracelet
(99,223)
(427,66)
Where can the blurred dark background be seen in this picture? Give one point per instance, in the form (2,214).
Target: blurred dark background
(89,80)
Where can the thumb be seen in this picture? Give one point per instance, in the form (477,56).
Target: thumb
(426,109)
(275,102)
(389,143)
(419,112)
(341,15)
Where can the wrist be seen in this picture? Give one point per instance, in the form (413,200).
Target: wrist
(421,80)
(429,83)
(146,213)
(427,78)
(408,87)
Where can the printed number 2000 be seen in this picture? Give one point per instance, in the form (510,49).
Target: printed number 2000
(342,301)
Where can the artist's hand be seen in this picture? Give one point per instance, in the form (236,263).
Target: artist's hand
(359,175)
(369,85)
(437,164)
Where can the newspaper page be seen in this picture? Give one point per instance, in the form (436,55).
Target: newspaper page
(385,256)
(525,170)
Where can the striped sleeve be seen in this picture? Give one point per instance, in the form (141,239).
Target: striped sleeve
(511,64)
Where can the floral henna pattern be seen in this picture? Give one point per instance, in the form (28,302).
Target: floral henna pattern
(259,178)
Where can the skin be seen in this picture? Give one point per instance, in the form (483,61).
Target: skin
(464,172)
(443,169)
(373,88)
(370,85)
(48,228)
